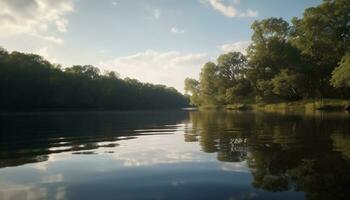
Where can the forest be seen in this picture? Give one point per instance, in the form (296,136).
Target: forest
(308,58)
(29,82)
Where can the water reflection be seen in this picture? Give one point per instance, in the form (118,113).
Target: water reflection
(284,152)
(31,137)
(174,155)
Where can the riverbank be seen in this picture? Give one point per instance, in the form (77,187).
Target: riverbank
(302,105)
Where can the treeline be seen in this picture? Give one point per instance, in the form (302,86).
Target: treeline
(28,81)
(308,58)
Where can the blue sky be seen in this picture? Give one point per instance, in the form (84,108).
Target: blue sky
(158,41)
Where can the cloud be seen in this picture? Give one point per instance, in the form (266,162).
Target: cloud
(229,10)
(44,52)
(34,17)
(101,51)
(240,46)
(249,13)
(169,68)
(234,166)
(154,13)
(176,30)
(114,3)
(53,39)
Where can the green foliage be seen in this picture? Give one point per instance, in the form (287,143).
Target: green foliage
(323,33)
(241,92)
(192,86)
(27,81)
(287,85)
(209,84)
(231,68)
(265,89)
(341,74)
(221,83)
(323,36)
(285,62)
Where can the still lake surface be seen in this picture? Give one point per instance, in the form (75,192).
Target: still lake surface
(174,155)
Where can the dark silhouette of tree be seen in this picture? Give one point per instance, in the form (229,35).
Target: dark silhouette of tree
(27,81)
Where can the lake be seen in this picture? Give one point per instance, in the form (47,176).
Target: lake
(174,155)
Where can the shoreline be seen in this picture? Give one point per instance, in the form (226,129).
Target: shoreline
(294,106)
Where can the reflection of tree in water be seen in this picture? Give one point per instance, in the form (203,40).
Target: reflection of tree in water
(342,143)
(32,137)
(287,152)
(324,177)
(221,132)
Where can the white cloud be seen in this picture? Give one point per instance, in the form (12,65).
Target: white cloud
(44,52)
(249,13)
(240,46)
(169,68)
(114,3)
(53,39)
(229,10)
(34,17)
(155,13)
(176,30)
(101,51)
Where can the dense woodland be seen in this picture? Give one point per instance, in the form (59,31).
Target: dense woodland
(308,58)
(28,81)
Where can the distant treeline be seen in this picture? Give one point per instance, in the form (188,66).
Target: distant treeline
(28,81)
(307,59)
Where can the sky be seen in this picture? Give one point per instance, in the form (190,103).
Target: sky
(156,41)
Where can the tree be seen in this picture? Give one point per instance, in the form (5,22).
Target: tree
(341,74)
(241,92)
(287,85)
(269,46)
(28,81)
(323,36)
(85,70)
(285,62)
(192,86)
(271,52)
(209,84)
(231,67)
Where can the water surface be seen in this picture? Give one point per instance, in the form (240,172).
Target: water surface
(174,155)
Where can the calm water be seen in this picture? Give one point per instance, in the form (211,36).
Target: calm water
(174,155)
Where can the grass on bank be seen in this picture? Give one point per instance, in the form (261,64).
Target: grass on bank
(302,105)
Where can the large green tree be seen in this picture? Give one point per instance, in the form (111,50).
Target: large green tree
(341,74)
(271,52)
(323,36)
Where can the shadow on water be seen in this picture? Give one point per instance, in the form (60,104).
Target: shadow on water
(283,152)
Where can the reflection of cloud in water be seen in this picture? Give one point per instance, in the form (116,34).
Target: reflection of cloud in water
(159,149)
(55,178)
(31,192)
(60,193)
(235,166)
(251,195)
(53,158)
(177,183)
(18,191)
(154,157)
